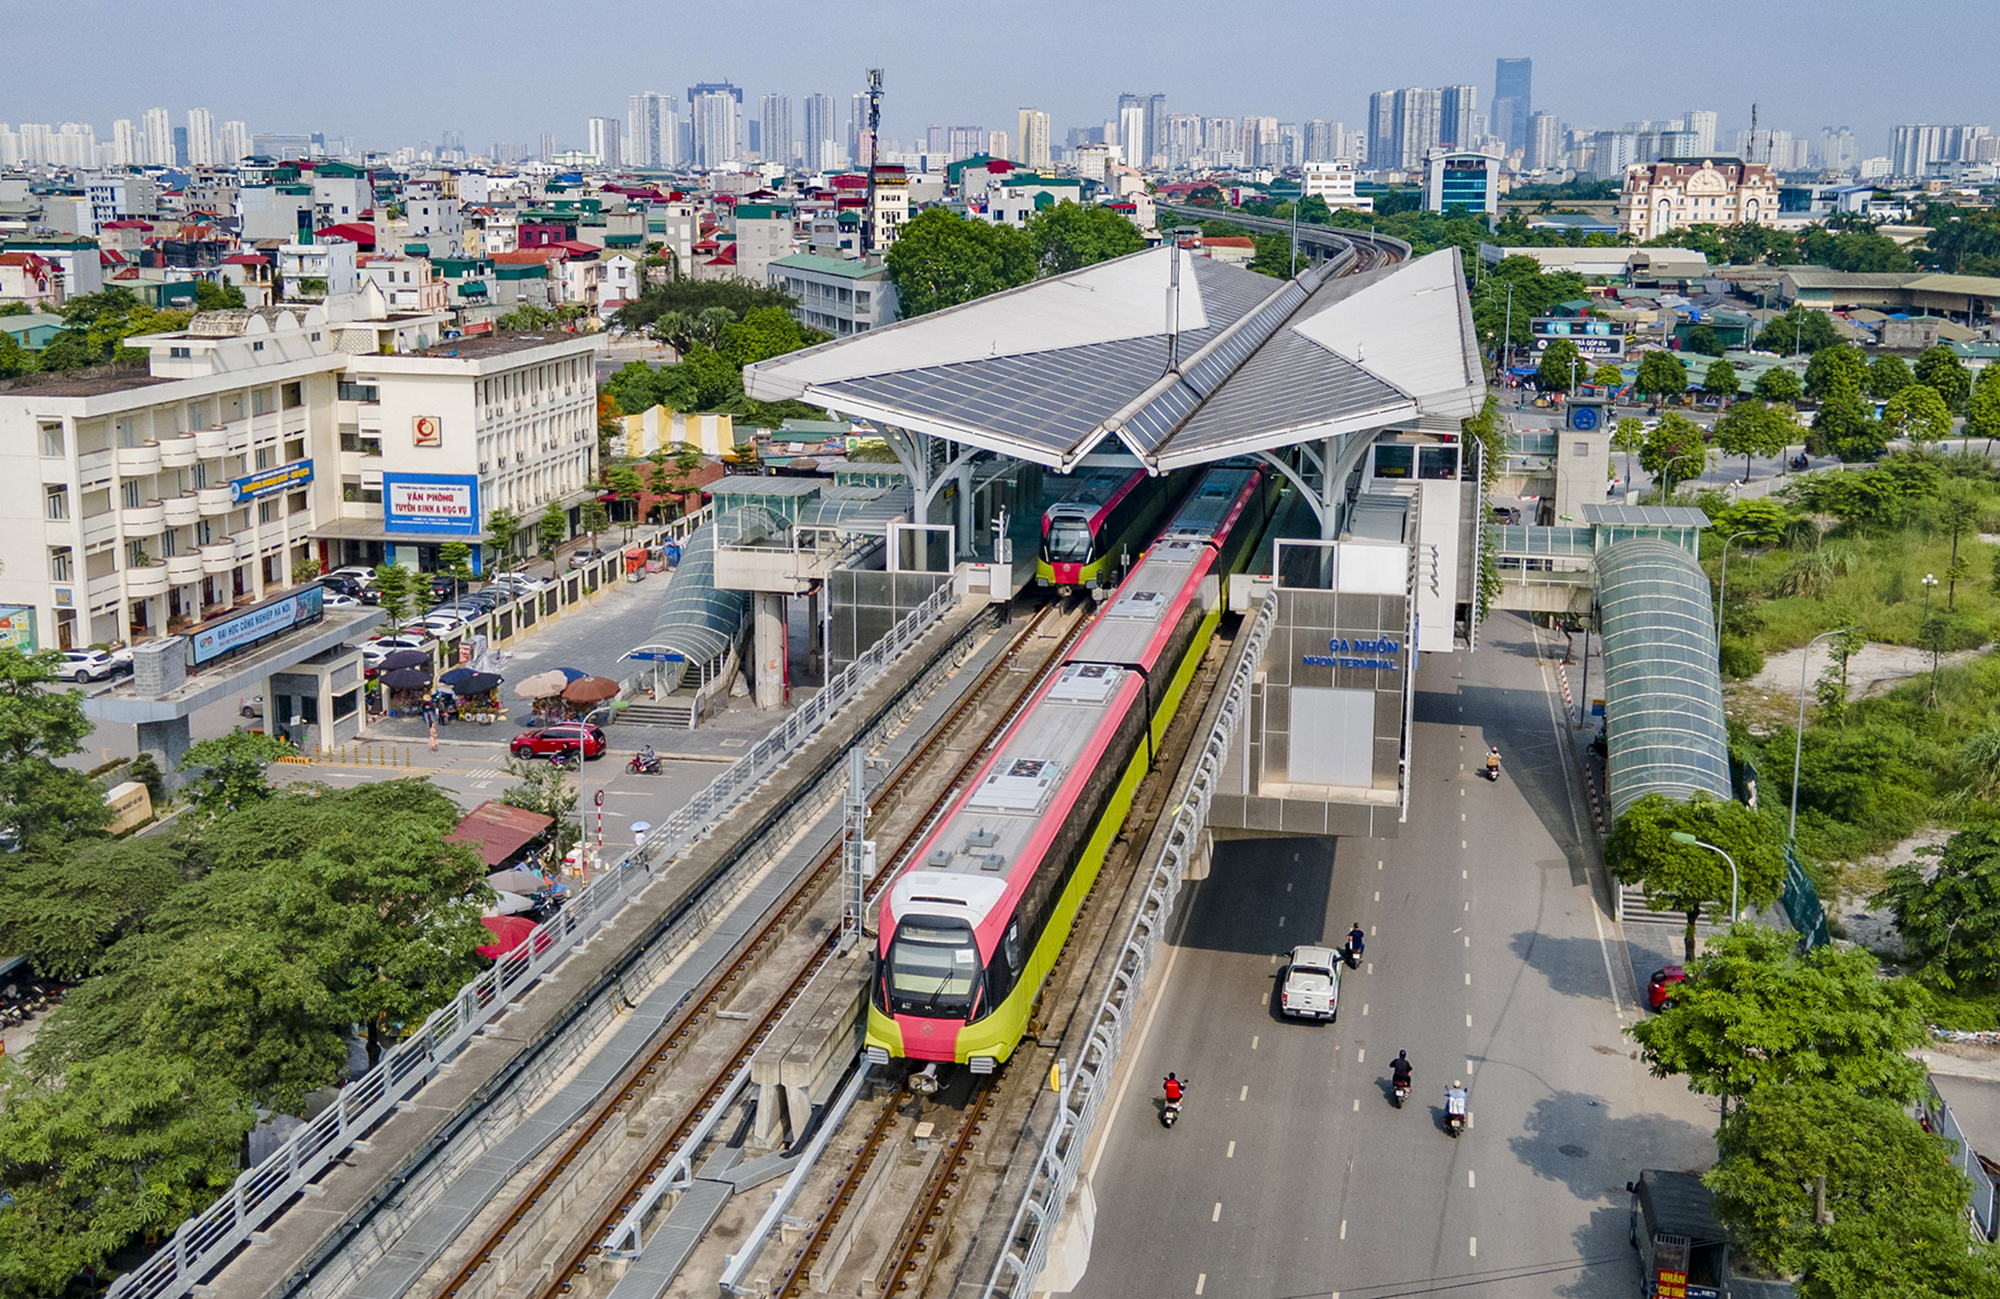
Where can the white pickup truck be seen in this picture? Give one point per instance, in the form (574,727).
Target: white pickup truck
(1311,989)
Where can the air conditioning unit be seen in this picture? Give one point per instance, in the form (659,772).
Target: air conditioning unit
(482,467)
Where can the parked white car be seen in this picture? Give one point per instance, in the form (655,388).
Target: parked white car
(90,665)
(374,651)
(359,572)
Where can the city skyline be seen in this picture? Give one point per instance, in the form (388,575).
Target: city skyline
(1074,83)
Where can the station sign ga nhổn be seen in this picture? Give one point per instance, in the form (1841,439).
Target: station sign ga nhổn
(1342,652)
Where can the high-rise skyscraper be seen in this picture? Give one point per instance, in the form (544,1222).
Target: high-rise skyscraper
(716,110)
(235,144)
(1221,138)
(1156,131)
(1544,147)
(1701,123)
(1324,140)
(1837,150)
(1458,113)
(652,130)
(158,138)
(821,141)
(125,145)
(775,113)
(201,137)
(860,144)
(1133,119)
(1512,83)
(1415,124)
(604,142)
(180,158)
(1183,140)
(1382,129)
(1032,131)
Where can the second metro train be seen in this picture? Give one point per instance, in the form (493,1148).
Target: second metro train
(1103,516)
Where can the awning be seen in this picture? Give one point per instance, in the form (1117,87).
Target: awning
(498,831)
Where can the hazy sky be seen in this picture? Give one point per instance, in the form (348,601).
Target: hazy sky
(506,70)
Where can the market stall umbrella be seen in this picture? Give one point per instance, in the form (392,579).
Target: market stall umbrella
(509,932)
(540,686)
(570,674)
(457,675)
(471,683)
(405,658)
(591,690)
(510,904)
(407,679)
(516,881)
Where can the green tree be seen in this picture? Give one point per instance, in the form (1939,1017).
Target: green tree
(1684,877)
(625,486)
(1842,427)
(41,723)
(1753,1013)
(115,1146)
(1855,250)
(1982,407)
(1720,379)
(16,360)
(455,560)
(941,259)
(227,772)
(1751,428)
(1673,449)
(504,527)
(63,910)
(1917,413)
(1779,384)
(1837,372)
(1560,363)
(1607,376)
(1950,917)
(1802,330)
(1702,340)
(542,787)
(1939,368)
(1661,374)
(1887,376)
(394,585)
(551,528)
(1067,236)
(1883,1176)
(305,570)
(764,332)
(210,296)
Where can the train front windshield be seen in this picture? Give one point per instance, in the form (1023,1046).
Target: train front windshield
(933,969)
(1069,541)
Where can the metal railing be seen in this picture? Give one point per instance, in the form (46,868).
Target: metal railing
(260,1193)
(1087,1083)
(1944,1123)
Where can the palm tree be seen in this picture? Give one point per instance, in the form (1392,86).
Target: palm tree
(708,326)
(676,329)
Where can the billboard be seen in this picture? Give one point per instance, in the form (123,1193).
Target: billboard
(268,482)
(442,503)
(17,627)
(261,622)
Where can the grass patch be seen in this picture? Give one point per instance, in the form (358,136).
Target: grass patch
(1881,591)
(1969,1010)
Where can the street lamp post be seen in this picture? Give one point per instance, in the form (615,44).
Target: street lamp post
(1722,600)
(1930,633)
(1682,836)
(1799,736)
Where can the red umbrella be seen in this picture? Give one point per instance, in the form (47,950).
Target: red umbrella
(591,690)
(509,932)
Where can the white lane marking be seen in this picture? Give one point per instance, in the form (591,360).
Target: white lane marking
(1244,1095)
(1475,1247)
(1364,1008)
(1461,845)
(1468,978)
(1468,904)
(1288,886)
(1461,815)
(1343,1221)
(1468,940)
(1468,1021)
(1357,1105)
(1253,1036)
(1470,1184)
(1232,1151)
(1274,958)
(1465,875)
(1371,967)
(1371,930)
(1468,1066)
(1281,922)
(1378,865)
(1361,1055)
(1605,949)
(1378,895)
(1200,1282)
(1216,1216)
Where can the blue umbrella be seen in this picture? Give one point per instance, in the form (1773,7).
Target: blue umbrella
(457,675)
(570,674)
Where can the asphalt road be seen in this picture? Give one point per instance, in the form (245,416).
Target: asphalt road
(1490,959)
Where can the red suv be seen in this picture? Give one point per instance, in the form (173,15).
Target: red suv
(559,741)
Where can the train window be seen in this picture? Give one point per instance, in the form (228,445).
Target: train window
(1069,541)
(1010,946)
(1438,462)
(933,968)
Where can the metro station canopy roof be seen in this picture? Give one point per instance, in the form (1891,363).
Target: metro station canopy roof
(1047,371)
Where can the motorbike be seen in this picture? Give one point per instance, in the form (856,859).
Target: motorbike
(1493,768)
(1454,1116)
(1170,1113)
(1399,1094)
(644,765)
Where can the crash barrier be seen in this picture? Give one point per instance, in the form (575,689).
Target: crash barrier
(1087,1082)
(206,1240)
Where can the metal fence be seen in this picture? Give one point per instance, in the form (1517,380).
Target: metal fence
(1985,1194)
(203,1242)
(1087,1083)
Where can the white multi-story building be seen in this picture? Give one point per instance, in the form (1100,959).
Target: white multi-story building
(1333,182)
(235,145)
(158,138)
(605,143)
(201,138)
(837,295)
(1032,125)
(1662,197)
(653,130)
(124,143)
(314,271)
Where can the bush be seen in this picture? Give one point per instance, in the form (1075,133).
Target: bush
(1740,659)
